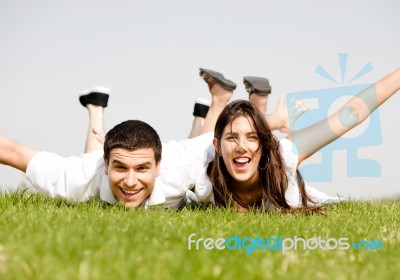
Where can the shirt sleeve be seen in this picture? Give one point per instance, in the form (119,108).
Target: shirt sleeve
(181,165)
(290,159)
(75,178)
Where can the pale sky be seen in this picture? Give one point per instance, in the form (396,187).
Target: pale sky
(148,54)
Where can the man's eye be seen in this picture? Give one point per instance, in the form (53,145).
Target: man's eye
(142,169)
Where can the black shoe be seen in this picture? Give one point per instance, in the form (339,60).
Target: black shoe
(257,85)
(201,107)
(96,96)
(211,77)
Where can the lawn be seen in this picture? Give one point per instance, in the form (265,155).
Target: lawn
(41,238)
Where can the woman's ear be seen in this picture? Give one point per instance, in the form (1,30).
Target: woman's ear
(216,146)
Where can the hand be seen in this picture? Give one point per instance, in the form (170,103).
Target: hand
(100,136)
(191,197)
(279,119)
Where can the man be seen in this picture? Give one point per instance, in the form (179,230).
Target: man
(129,171)
(132,154)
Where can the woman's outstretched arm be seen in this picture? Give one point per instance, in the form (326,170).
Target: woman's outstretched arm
(309,140)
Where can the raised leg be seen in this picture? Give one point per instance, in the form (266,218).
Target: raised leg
(95,100)
(200,111)
(96,124)
(219,98)
(260,101)
(259,90)
(197,126)
(221,90)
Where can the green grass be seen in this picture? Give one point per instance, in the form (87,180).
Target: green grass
(41,238)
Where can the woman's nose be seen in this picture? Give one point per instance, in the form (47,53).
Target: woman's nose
(241,145)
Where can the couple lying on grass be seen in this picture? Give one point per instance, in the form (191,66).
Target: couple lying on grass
(241,165)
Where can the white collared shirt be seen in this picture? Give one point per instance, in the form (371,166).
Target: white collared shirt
(183,166)
(79,178)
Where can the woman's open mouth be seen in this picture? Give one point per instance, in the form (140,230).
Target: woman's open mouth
(241,163)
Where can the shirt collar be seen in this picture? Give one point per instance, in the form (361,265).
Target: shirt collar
(157,196)
(105,191)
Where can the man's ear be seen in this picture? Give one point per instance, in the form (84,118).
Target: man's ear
(216,146)
(158,164)
(105,165)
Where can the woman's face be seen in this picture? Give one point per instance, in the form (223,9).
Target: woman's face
(240,151)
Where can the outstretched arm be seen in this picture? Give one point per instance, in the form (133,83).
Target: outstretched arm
(15,154)
(309,140)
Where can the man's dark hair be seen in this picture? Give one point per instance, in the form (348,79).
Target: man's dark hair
(132,135)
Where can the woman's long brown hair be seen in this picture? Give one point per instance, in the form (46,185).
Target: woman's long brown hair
(273,179)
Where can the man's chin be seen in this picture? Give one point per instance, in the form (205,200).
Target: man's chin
(131,204)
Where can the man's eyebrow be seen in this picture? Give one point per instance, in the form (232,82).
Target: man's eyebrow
(118,162)
(144,164)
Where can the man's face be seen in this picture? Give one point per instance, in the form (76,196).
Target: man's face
(132,174)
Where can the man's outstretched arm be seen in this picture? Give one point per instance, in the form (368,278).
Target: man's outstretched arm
(15,154)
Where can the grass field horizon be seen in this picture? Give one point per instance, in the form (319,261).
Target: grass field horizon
(43,238)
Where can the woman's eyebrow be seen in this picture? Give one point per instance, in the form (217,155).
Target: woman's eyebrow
(230,133)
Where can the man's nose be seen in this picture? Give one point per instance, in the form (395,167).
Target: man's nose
(130,179)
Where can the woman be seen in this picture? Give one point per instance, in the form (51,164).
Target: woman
(253,169)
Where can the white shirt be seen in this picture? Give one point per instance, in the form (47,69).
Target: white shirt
(183,166)
(79,178)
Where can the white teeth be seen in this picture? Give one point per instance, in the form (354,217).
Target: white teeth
(242,160)
(131,192)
